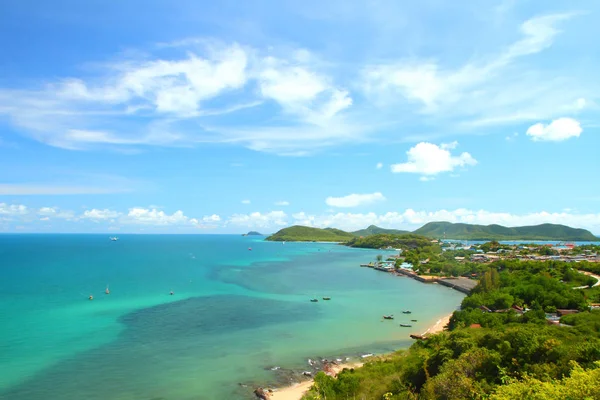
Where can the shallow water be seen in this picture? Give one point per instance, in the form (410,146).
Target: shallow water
(235,313)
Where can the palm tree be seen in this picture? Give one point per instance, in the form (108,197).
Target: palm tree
(379,258)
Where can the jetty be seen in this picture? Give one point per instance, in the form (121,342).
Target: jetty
(462,284)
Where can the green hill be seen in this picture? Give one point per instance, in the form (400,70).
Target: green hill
(298,233)
(375,230)
(498,232)
(385,240)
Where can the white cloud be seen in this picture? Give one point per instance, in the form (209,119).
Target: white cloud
(354,200)
(55,212)
(379,165)
(282,203)
(485,90)
(99,215)
(259,220)
(153,216)
(246,201)
(13,209)
(431,159)
(556,131)
(512,137)
(211,218)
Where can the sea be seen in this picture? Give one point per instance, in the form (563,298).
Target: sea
(239,317)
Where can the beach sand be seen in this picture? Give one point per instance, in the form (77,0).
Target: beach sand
(438,326)
(296,391)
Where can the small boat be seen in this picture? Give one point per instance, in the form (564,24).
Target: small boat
(91,297)
(326,298)
(107,291)
(367,355)
(388,317)
(314,300)
(114,238)
(171,293)
(406,325)
(413,320)
(406,312)
(249,248)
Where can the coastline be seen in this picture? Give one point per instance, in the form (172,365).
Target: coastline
(296,391)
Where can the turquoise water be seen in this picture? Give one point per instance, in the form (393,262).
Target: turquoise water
(234,314)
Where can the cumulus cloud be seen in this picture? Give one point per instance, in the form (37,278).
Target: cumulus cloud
(354,200)
(211,218)
(153,216)
(55,212)
(13,209)
(556,131)
(379,165)
(431,159)
(259,220)
(99,215)
(282,203)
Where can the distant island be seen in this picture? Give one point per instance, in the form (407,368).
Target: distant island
(253,233)
(433,230)
(298,233)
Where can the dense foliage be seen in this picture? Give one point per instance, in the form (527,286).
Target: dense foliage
(299,233)
(508,355)
(384,240)
(375,230)
(498,232)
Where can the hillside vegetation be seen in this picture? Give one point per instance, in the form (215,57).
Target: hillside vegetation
(299,233)
(382,241)
(508,354)
(375,230)
(498,232)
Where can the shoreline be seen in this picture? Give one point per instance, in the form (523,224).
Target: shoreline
(296,391)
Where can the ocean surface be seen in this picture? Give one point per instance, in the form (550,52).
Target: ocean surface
(235,315)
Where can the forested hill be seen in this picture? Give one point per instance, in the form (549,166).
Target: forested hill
(298,233)
(498,232)
(375,230)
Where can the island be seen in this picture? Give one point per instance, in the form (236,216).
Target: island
(298,233)
(252,233)
(434,230)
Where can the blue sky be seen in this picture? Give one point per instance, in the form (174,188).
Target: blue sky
(205,117)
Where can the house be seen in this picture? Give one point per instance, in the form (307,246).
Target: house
(475,326)
(566,312)
(461,259)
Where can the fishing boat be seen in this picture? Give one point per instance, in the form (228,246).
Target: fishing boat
(171,293)
(406,312)
(249,248)
(114,238)
(413,320)
(314,300)
(388,317)
(326,298)
(406,325)
(91,297)
(107,291)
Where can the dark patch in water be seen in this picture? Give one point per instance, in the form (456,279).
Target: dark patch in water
(158,339)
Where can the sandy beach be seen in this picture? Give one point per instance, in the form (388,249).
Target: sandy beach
(296,391)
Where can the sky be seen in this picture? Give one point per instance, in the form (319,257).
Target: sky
(151,116)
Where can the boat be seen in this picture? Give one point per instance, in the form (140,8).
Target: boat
(326,298)
(107,291)
(388,317)
(171,293)
(406,312)
(413,320)
(114,238)
(91,297)
(314,300)
(406,325)
(367,355)
(249,248)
